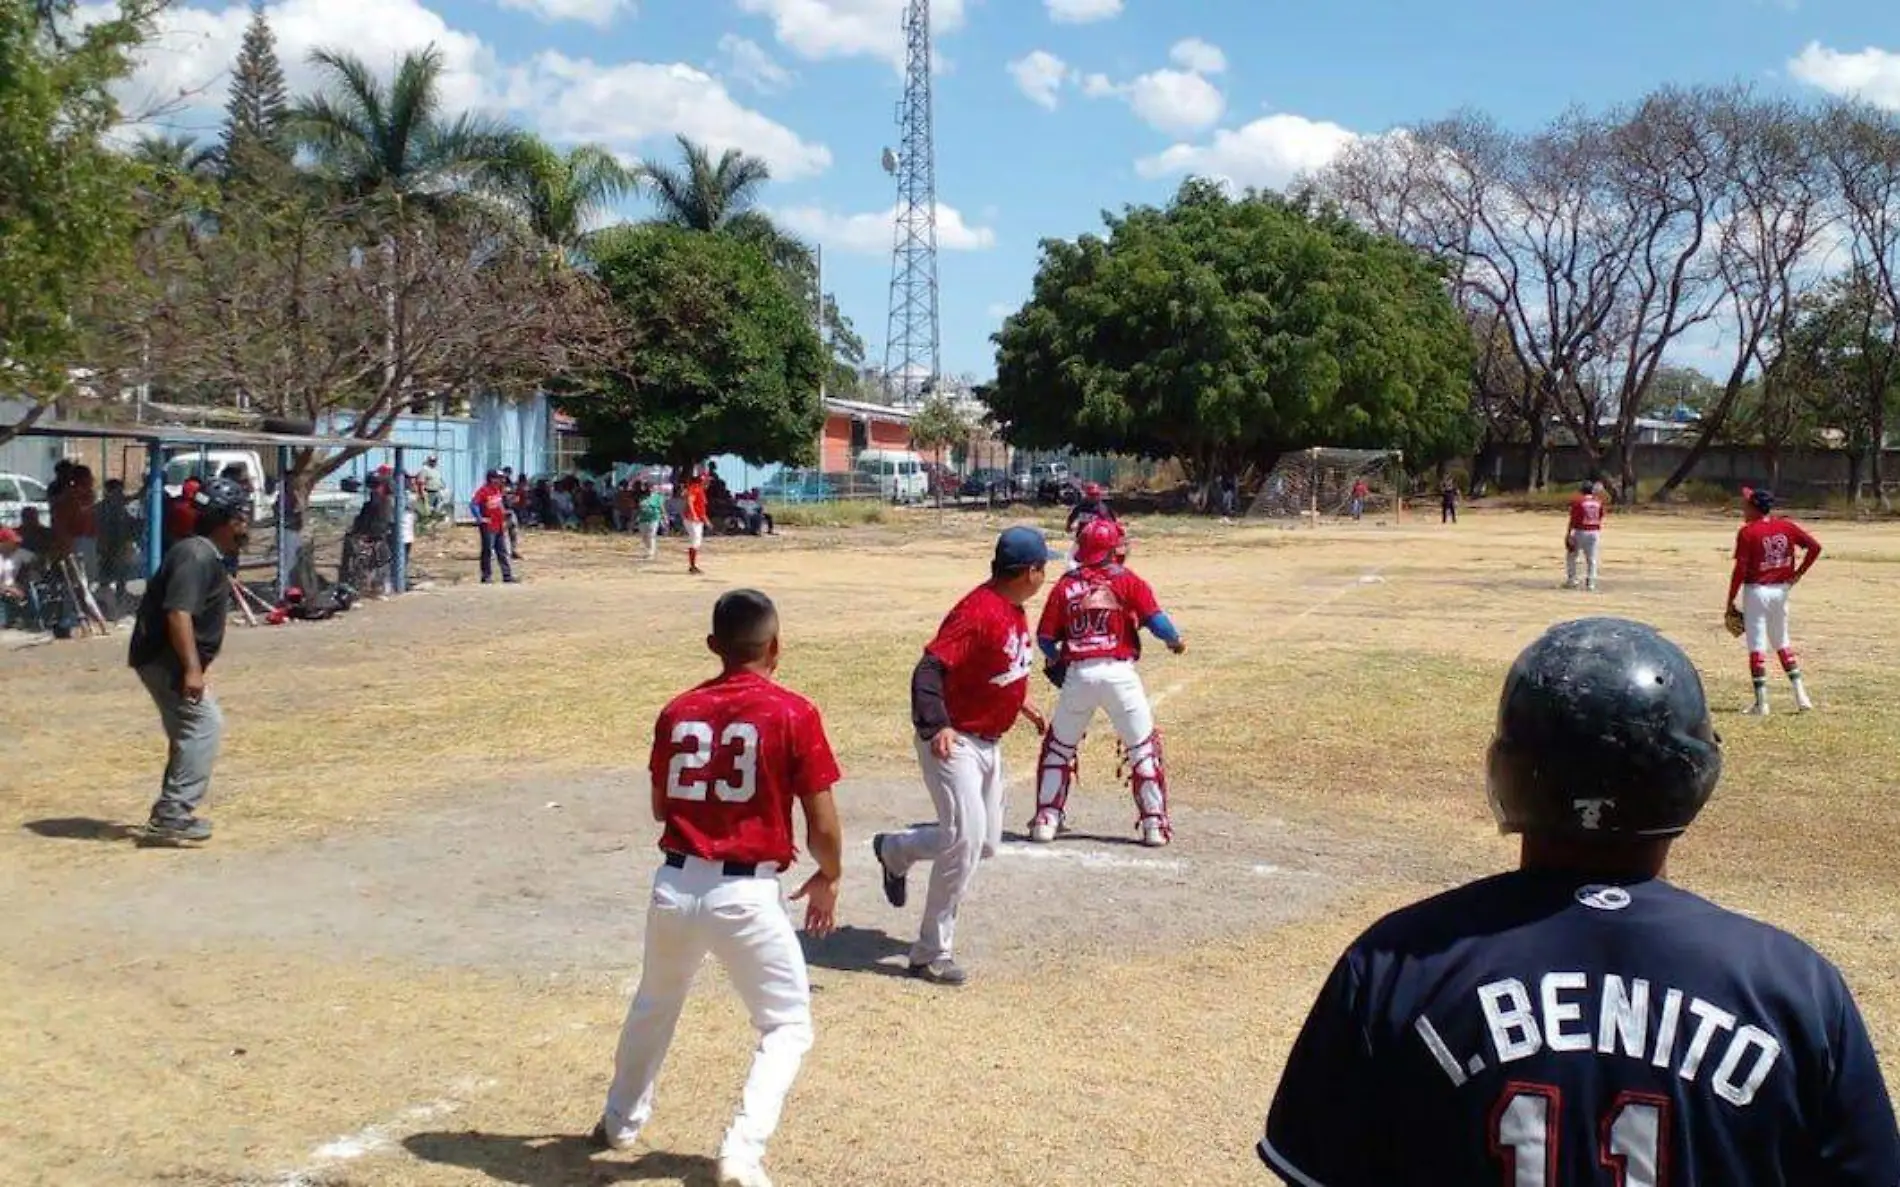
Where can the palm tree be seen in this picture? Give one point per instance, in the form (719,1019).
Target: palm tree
(178,155)
(704,195)
(558,195)
(376,141)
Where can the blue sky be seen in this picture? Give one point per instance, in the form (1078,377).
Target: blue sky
(1047,111)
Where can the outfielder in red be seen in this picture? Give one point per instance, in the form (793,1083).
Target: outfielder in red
(693,494)
(1765,571)
(1090,633)
(729,760)
(970,687)
(490,508)
(1582,536)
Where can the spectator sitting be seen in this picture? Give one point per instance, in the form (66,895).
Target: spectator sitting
(19,606)
(717,493)
(118,539)
(752,510)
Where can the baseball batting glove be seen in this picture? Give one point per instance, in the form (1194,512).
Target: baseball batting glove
(1732,619)
(1056,671)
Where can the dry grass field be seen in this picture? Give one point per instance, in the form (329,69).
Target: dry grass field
(404,959)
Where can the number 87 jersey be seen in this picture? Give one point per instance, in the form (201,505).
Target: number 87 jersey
(1532,1030)
(729,759)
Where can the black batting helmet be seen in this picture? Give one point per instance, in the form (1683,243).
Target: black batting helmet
(220,501)
(1603,734)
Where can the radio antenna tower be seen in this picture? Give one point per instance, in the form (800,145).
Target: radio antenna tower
(911,337)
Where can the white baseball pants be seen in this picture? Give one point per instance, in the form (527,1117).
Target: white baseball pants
(744,924)
(1112,685)
(1765,618)
(650,535)
(695,534)
(968,790)
(1587,545)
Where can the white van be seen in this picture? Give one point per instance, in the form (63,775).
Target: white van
(898,474)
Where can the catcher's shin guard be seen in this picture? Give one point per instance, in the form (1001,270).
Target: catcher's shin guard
(1148,779)
(1056,770)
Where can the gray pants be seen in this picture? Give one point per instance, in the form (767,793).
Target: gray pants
(193,730)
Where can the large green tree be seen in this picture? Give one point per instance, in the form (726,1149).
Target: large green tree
(66,200)
(1224,331)
(723,358)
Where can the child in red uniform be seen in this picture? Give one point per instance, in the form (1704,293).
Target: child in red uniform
(1765,571)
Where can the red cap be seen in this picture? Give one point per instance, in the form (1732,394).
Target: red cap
(9,536)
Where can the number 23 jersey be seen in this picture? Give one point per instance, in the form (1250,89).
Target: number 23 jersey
(1534,1030)
(729,758)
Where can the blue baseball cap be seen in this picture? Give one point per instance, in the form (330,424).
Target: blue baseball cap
(1021,548)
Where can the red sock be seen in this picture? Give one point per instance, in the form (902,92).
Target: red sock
(1789,661)
(1757,664)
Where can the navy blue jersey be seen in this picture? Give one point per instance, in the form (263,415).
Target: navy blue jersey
(1534,1030)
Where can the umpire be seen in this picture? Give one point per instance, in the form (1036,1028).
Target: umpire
(178,633)
(1580,1020)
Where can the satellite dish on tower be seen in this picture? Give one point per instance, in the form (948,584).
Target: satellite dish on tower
(890,161)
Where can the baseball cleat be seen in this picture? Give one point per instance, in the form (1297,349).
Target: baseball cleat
(601,1140)
(896,889)
(1152,834)
(1803,703)
(1759,709)
(738,1172)
(1045,826)
(182,830)
(940,972)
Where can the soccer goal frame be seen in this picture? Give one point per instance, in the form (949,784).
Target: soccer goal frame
(1317,482)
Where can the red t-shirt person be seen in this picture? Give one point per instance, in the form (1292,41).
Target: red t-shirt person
(1586,513)
(694,492)
(986,646)
(1765,550)
(1097,613)
(490,505)
(729,759)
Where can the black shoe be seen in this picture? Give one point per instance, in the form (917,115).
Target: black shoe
(598,1138)
(896,888)
(940,972)
(176,830)
(511,581)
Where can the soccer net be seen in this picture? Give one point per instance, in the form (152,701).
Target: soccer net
(1318,483)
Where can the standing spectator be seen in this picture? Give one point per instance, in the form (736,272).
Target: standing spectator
(181,514)
(489,507)
(648,512)
(1229,496)
(1448,501)
(118,540)
(179,632)
(1359,492)
(76,523)
(515,496)
(429,482)
(695,517)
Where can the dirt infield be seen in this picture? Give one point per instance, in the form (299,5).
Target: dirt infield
(404,958)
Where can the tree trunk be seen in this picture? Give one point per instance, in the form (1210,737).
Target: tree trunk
(1773,455)
(1853,475)
(1540,458)
(33,414)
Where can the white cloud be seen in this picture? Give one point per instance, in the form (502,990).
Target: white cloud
(1269,152)
(999,310)
(818,29)
(747,62)
(1176,101)
(1039,75)
(1082,12)
(599,13)
(873,234)
(623,106)
(1871,74)
(1198,56)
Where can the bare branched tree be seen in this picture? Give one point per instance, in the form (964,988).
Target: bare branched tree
(1862,145)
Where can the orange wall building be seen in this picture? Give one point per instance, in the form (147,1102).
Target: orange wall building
(852,427)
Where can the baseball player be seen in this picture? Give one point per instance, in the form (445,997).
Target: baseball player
(966,692)
(693,494)
(1089,508)
(179,631)
(1765,571)
(1583,535)
(729,759)
(1581,1021)
(1090,634)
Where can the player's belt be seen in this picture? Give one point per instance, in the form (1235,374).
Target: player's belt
(731,869)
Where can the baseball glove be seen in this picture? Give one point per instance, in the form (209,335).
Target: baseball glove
(1056,671)
(1732,620)
(1570,541)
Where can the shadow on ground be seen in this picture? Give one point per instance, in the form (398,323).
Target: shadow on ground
(857,950)
(554,1160)
(82,828)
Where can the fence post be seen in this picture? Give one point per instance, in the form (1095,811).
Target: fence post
(398,566)
(286,558)
(154,507)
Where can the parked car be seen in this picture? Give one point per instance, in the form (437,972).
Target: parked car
(985,484)
(17,493)
(797,486)
(940,479)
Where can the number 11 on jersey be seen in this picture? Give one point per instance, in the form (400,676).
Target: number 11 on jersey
(1633,1146)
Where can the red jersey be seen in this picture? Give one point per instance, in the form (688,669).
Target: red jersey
(1586,513)
(492,506)
(1095,613)
(985,643)
(730,756)
(1765,550)
(695,492)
